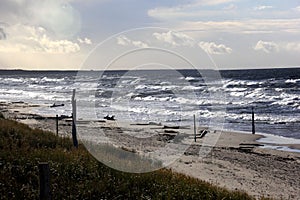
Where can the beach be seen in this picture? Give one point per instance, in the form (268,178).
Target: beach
(237,161)
(148,100)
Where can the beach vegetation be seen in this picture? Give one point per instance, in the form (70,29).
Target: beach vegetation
(75,174)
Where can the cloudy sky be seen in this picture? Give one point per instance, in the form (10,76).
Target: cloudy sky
(61,34)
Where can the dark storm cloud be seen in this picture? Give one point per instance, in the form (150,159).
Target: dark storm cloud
(2,34)
(12,10)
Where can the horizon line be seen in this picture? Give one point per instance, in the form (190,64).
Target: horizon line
(179,69)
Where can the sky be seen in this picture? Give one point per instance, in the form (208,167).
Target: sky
(98,34)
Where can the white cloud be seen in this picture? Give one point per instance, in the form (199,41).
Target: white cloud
(56,16)
(214,2)
(268,47)
(297,8)
(213,48)
(84,41)
(35,40)
(233,26)
(139,44)
(175,38)
(194,9)
(262,7)
(230,7)
(292,46)
(45,44)
(124,41)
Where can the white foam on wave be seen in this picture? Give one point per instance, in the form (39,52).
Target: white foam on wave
(257,93)
(191,87)
(237,89)
(233,117)
(237,94)
(280,148)
(37,86)
(46,79)
(130,81)
(16,80)
(188,78)
(276,142)
(292,81)
(286,99)
(231,83)
(36,95)
(267,118)
(144,112)
(152,98)
(275,139)
(156,87)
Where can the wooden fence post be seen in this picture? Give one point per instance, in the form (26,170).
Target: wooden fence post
(44,175)
(74,135)
(253,123)
(56,125)
(194,128)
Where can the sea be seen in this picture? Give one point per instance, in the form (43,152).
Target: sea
(167,96)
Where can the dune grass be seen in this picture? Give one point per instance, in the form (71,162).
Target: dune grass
(75,174)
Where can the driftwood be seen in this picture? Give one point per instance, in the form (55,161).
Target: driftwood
(202,134)
(107,117)
(171,131)
(251,144)
(140,124)
(147,124)
(171,127)
(56,105)
(176,127)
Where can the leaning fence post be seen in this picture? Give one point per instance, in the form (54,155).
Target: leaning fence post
(195,128)
(56,125)
(44,175)
(253,123)
(74,136)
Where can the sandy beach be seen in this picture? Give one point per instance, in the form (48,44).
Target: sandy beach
(237,161)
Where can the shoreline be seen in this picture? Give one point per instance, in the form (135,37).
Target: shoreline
(236,161)
(22,112)
(25,108)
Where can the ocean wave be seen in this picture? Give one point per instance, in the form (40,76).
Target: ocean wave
(292,81)
(241,83)
(155,87)
(274,139)
(276,100)
(47,79)
(10,80)
(237,94)
(189,78)
(191,87)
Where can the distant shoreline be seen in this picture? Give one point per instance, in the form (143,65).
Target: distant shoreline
(124,70)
